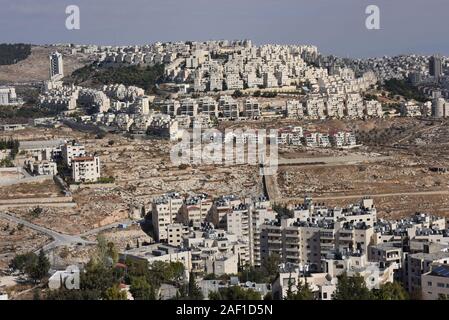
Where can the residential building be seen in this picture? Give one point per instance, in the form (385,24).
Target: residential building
(85,168)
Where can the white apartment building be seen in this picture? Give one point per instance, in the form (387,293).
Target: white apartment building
(315,232)
(160,252)
(229,107)
(269,80)
(164,213)
(315,107)
(420,263)
(72,150)
(8,96)
(43,167)
(189,107)
(260,213)
(208,106)
(354,106)
(335,106)
(410,109)
(373,108)
(320,284)
(233,81)
(294,109)
(85,168)
(251,109)
(170,107)
(56,66)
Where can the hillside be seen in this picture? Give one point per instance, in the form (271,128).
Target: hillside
(35,66)
(13,53)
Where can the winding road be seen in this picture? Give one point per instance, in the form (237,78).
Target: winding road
(60,239)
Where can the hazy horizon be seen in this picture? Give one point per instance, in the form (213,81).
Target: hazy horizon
(335,26)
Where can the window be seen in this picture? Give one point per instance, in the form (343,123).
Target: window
(324,295)
(429,283)
(440,285)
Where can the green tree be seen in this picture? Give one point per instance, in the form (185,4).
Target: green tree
(114,293)
(96,279)
(40,269)
(391,291)
(237,94)
(23,262)
(351,288)
(141,289)
(270,267)
(235,293)
(194,291)
(303,291)
(289,293)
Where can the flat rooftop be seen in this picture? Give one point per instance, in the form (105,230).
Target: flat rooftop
(40,144)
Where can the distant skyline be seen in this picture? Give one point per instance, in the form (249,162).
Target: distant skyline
(335,26)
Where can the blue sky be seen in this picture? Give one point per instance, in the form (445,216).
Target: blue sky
(335,26)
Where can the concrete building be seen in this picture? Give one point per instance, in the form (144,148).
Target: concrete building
(436,66)
(56,66)
(71,150)
(420,263)
(8,97)
(176,233)
(85,169)
(189,107)
(251,109)
(160,252)
(440,108)
(164,211)
(435,283)
(43,167)
(229,108)
(208,106)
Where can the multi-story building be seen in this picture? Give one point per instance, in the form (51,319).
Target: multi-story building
(72,150)
(294,109)
(176,233)
(208,106)
(56,66)
(189,107)
(160,252)
(251,109)
(420,263)
(170,107)
(8,96)
(229,108)
(195,209)
(43,167)
(85,168)
(315,232)
(435,283)
(164,212)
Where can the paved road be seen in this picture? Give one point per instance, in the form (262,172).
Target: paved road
(59,239)
(106,227)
